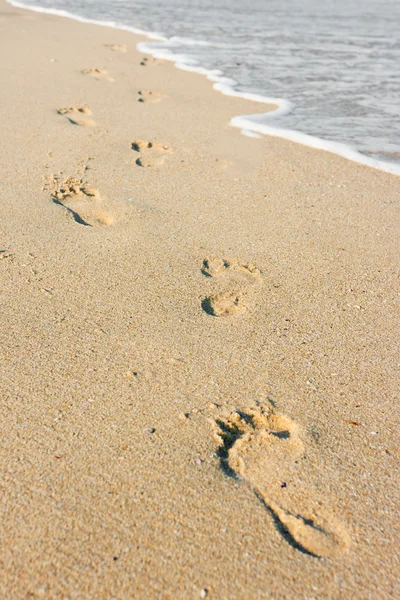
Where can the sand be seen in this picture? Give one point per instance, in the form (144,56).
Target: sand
(199,339)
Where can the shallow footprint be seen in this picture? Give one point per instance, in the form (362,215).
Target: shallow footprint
(222,267)
(80,110)
(82,122)
(150,96)
(260,446)
(117,47)
(151,153)
(71,111)
(145,145)
(83,203)
(97,73)
(149,61)
(150,161)
(224,304)
(242,277)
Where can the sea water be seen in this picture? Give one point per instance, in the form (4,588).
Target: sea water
(332,67)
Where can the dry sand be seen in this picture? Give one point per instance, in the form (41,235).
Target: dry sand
(199,339)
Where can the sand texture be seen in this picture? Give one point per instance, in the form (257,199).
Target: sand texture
(199,339)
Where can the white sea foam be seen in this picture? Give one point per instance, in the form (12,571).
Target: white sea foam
(253,123)
(250,125)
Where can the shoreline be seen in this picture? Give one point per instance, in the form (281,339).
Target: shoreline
(198,340)
(251,125)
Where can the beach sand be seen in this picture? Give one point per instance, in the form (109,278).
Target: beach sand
(199,341)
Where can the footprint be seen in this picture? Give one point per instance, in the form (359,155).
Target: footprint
(241,276)
(77,120)
(99,74)
(151,153)
(259,443)
(82,202)
(144,145)
(117,47)
(150,161)
(314,534)
(82,122)
(260,447)
(224,304)
(83,110)
(222,267)
(150,96)
(149,61)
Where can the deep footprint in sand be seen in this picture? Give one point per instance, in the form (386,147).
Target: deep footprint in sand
(152,154)
(150,96)
(241,278)
(97,73)
(82,202)
(117,47)
(260,447)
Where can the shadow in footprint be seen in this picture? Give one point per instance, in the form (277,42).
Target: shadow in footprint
(74,214)
(258,446)
(206,305)
(82,122)
(150,161)
(224,304)
(282,529)
(82,202)
(77,115)
(229,436)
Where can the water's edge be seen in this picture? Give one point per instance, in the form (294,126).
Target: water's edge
(251,125)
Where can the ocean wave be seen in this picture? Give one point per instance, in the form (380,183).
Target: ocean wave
(160,46)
